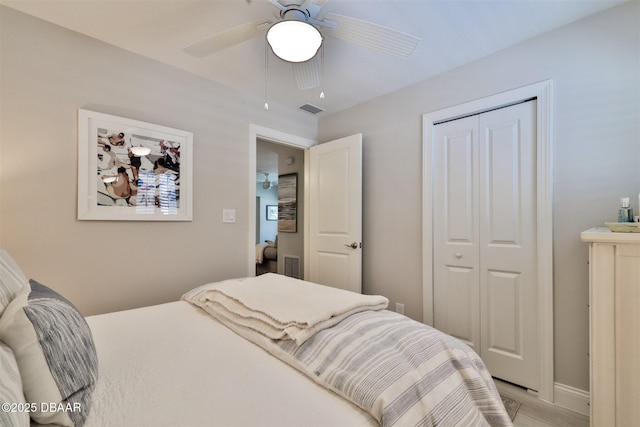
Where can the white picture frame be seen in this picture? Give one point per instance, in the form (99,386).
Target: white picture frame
(116,185)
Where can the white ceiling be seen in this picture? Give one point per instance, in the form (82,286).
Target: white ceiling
(452,33)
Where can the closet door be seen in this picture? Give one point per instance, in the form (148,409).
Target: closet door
(455,230)
(508,243)
(484,235)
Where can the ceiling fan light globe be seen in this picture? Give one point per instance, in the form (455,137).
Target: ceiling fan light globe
(294,41)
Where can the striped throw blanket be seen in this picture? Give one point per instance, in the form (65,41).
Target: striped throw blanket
(404,373)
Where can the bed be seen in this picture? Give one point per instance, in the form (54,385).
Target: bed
(171,365)
(190,363)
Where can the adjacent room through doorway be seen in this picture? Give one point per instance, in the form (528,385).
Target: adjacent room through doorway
(279,209)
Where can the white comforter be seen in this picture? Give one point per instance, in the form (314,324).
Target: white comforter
(173,365)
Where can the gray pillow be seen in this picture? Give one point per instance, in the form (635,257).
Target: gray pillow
(56,355)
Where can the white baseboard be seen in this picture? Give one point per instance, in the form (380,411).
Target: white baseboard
(571,398)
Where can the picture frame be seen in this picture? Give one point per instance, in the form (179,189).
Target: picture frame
(272,212)
(117,182)
(288,203)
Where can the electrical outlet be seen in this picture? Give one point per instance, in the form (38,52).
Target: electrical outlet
(399,308)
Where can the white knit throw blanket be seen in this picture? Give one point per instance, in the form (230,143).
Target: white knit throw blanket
(281,307)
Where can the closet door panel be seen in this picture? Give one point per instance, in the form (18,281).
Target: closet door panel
(502,174)
(461,314)
(504,313)
(456,259)
(508,243)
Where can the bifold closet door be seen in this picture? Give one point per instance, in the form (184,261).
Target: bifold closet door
(485,238)
(456,259)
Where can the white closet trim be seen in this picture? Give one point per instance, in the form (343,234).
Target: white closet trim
(542,92)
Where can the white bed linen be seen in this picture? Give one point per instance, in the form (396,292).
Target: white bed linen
(174,365)
(281,307)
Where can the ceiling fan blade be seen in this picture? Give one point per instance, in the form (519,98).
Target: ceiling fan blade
(307,73)
(372,36)
(227,38)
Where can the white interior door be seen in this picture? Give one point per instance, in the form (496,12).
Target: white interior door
(335,214)
(484,238)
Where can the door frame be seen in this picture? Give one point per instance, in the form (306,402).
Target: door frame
(542,91)
(278,137)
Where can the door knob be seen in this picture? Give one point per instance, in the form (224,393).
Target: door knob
(458,255)
(354,245)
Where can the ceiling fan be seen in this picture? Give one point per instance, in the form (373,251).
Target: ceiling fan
(352,30)
(266,184)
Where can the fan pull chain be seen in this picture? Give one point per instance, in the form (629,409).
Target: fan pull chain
(321,71)
(266,69)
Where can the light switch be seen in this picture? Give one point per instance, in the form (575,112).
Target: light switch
(228,215)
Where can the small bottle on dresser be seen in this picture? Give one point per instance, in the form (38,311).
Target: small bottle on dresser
(625,213)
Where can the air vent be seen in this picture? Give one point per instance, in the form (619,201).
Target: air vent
(311,109)
(292,266)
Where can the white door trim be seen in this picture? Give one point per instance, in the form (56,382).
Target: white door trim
(542,92)
(278,137)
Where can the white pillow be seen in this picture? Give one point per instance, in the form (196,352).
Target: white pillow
(12,280)
(14,412)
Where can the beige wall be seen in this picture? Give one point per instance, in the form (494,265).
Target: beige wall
(594,65)
(47,73)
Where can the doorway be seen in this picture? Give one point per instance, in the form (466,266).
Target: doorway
(279,140)
(324,171)
(279,244)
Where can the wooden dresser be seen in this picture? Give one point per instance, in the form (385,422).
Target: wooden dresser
(614,327)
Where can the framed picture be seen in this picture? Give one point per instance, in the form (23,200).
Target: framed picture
(133,171)
(272,212)
(288,202)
